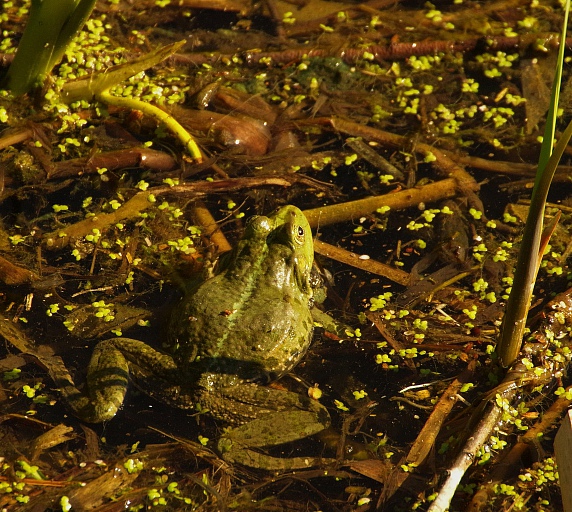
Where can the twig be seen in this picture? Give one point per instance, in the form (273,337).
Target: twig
(12,138)
(426,438)
(143,200)
(202,217)
(510,462)
(369,265)
(393,342)
(441,161)
(400,51)
(411,197)
(467,456)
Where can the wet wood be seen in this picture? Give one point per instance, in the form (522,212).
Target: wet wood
(203,217)
(145,199)
(425,441)
(142,158)
(13,275)
(412,197)
(424,444)
(357,261)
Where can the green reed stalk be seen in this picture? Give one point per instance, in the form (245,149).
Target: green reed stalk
(50,29)
(514,322)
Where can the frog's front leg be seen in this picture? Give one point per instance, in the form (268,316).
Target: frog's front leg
(278,417)
(108,377)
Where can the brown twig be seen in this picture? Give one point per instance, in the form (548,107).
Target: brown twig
(141,201)
(13,137)
(511,461)
(326,215)
(393,342)
(202,217)
(369,265)
(424,442)
(426,438)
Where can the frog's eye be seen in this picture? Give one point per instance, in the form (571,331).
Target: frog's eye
(299,235)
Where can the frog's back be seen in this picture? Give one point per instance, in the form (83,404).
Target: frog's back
(253,328)
(251,321)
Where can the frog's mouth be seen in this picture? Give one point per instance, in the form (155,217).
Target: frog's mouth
(292,231)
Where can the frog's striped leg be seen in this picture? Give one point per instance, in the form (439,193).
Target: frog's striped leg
(108,377)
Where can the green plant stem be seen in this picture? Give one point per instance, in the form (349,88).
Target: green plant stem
(50,28)
(97,87)
(151,110)
(514,321)
(516,312)
(74,23)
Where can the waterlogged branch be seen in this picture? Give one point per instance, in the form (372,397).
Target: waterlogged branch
(411,197)
(369,265)
(143,200)
(135,157)
(438,159)
(456,181)
(553,334)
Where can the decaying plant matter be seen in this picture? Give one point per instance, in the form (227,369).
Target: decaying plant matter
(407,133)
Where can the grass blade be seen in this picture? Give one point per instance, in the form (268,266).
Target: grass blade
(514,321)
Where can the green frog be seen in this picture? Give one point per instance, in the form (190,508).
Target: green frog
(243,328)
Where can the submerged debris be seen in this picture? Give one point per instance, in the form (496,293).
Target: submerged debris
(403,131)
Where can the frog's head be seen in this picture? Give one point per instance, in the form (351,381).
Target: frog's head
(291,228)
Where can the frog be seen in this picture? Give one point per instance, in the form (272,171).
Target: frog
(232,335)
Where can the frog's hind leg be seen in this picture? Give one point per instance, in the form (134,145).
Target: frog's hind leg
(279,417)
(108,377)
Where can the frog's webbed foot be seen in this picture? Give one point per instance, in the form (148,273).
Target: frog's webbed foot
(237,444)
(279,417)
(108,377)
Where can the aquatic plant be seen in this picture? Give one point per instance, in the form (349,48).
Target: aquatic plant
(528,262)
(50,29)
